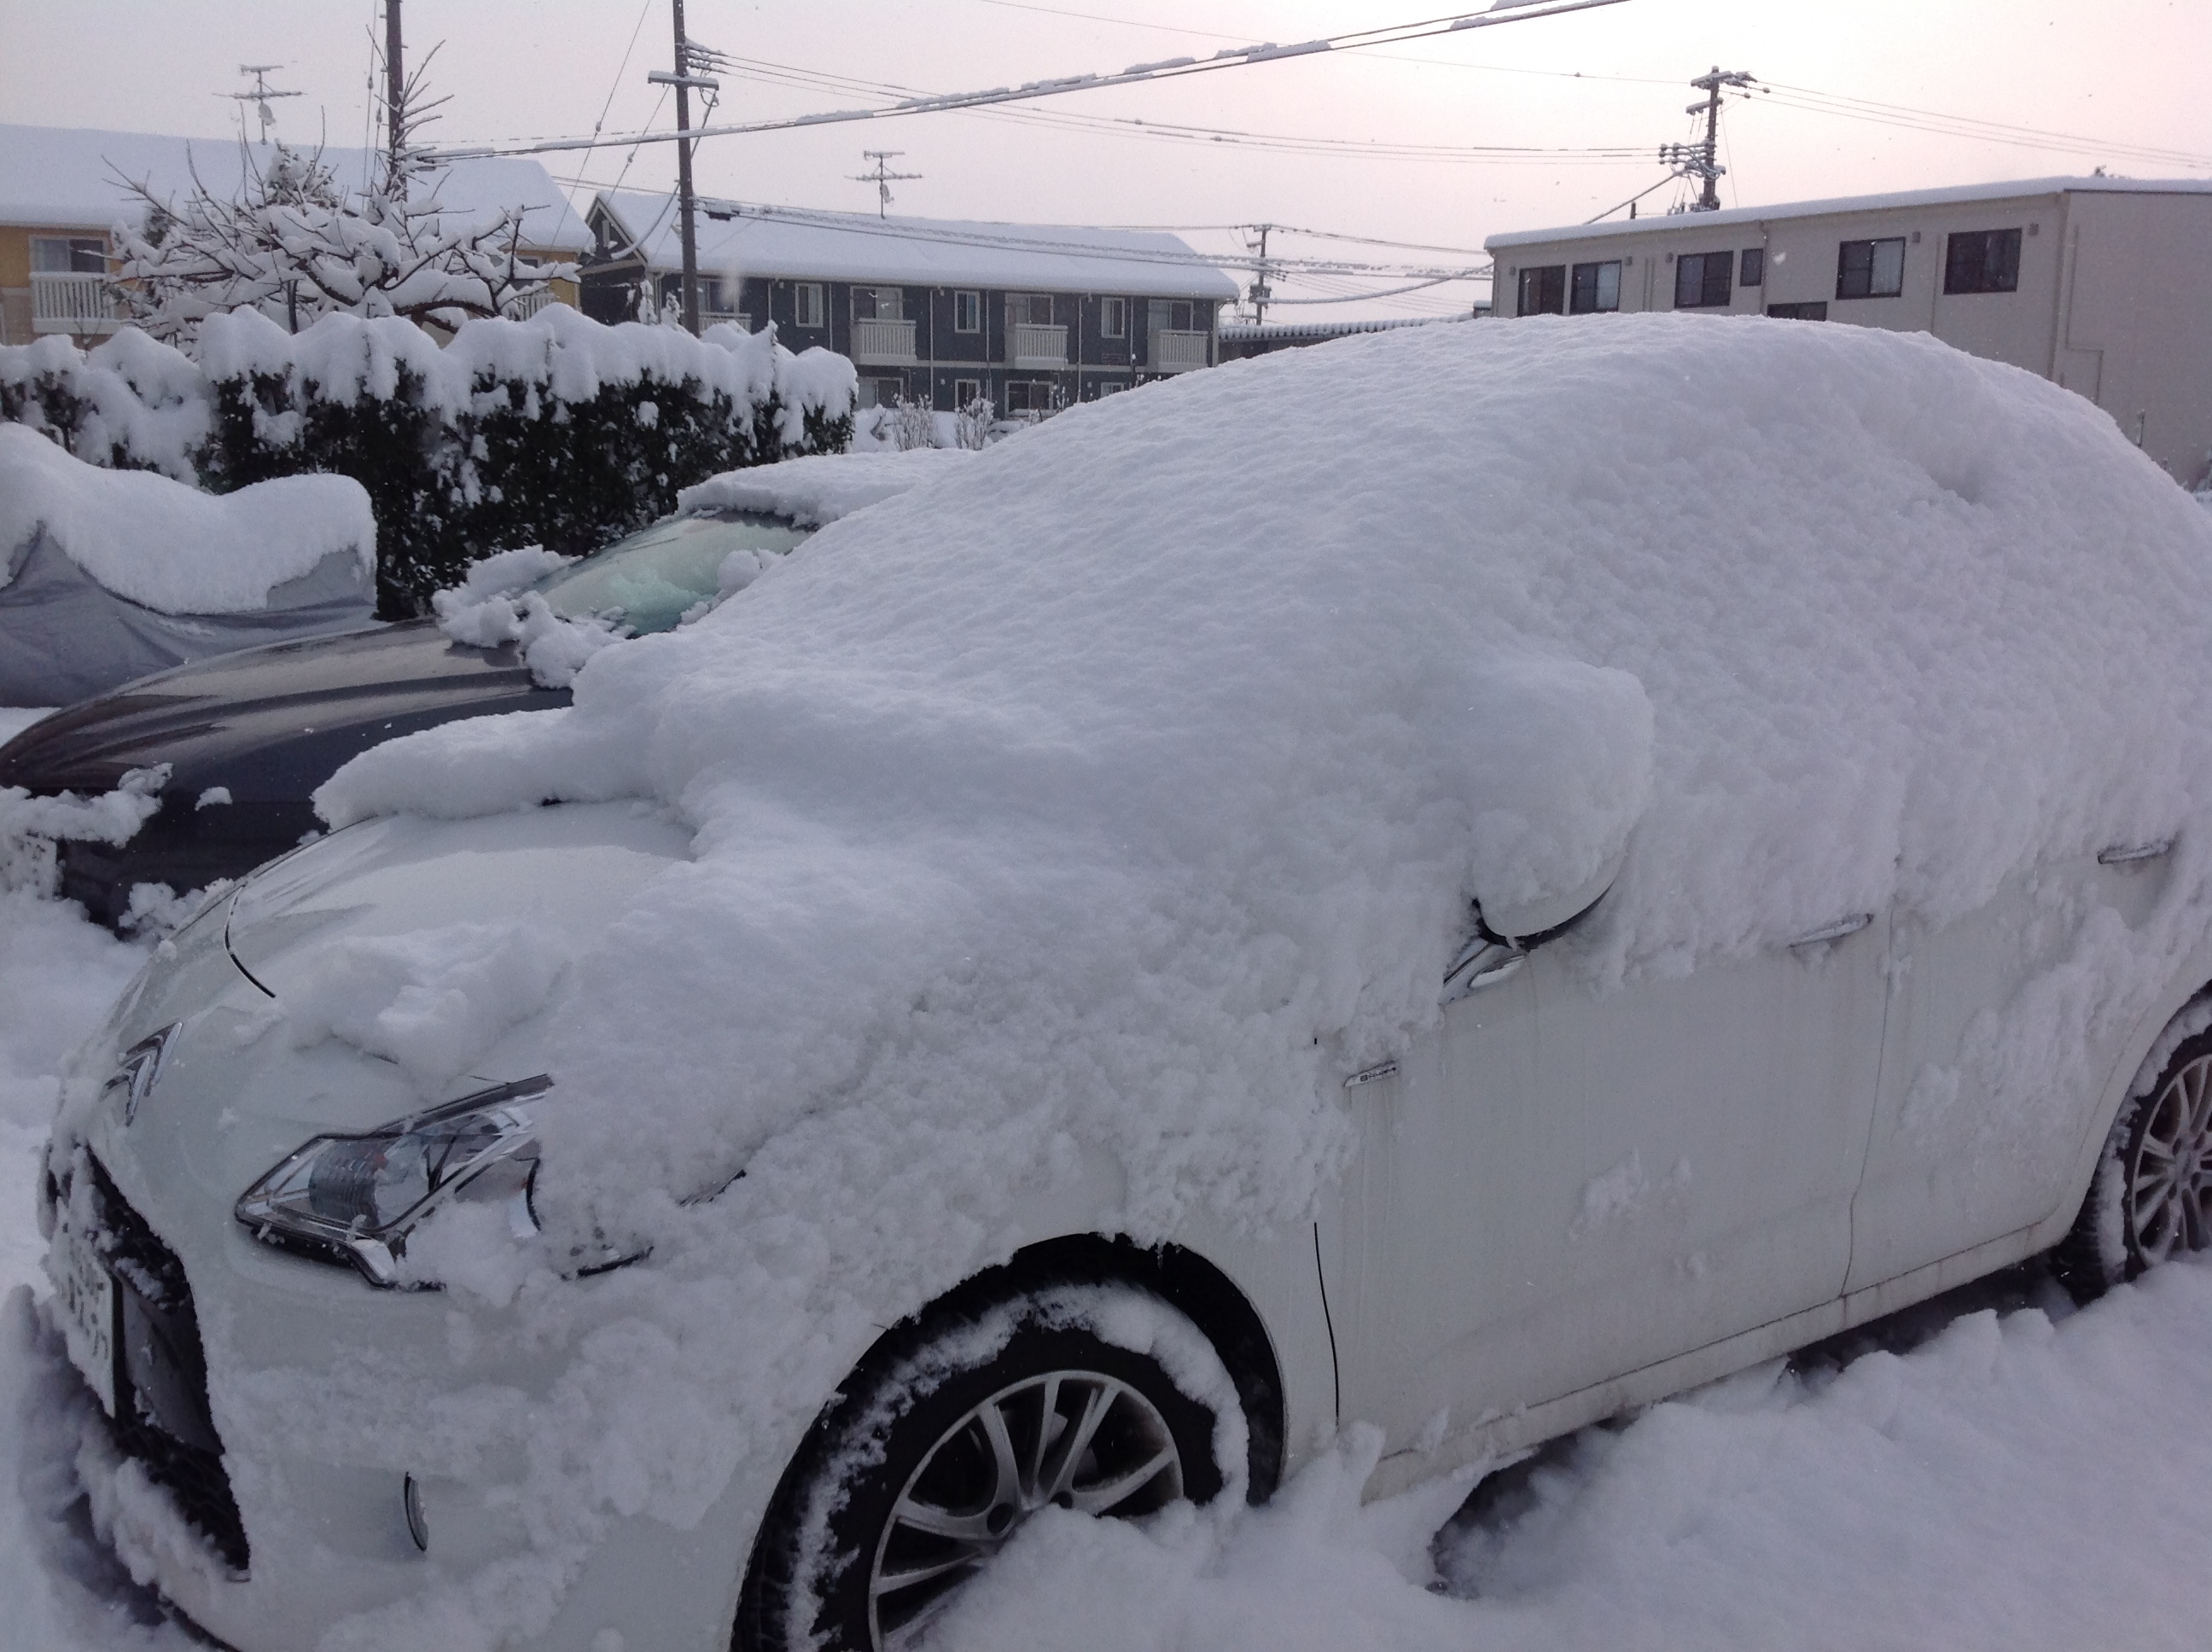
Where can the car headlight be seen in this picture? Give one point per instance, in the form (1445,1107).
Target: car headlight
(355,1199)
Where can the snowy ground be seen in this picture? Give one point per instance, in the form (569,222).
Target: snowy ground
(2020,1477)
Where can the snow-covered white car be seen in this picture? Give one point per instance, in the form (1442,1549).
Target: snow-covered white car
(1464,880)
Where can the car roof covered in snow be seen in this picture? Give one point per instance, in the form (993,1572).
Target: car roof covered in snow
(817,489)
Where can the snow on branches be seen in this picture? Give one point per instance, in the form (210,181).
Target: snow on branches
(298,245)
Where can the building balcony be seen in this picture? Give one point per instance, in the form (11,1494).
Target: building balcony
(79,303)
(883,343)
(1176,350)
(1030,345)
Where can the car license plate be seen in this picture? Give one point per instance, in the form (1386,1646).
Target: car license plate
(84,1296)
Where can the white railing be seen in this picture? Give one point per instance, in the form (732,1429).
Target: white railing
(1030,345)
(75,303)
(521,309)
(1175,350)
(875,343)
(736,319)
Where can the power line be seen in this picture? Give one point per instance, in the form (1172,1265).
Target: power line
(1502,11)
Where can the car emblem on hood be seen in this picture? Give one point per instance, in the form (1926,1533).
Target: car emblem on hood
(140,1066)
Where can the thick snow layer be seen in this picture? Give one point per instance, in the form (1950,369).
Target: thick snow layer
(816,490)
(1126,789)
(172,547)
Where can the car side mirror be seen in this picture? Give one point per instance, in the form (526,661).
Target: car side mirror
(1531,923)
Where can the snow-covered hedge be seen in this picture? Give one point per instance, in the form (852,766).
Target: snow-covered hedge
(556,430)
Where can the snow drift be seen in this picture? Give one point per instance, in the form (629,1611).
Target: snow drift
(1125,790)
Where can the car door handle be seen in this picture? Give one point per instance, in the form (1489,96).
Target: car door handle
(1482,962)
(1836,931)
(2121,855)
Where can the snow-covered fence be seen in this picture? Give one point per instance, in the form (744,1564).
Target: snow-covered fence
(556,430)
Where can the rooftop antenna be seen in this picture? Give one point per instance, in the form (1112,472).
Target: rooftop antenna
(883,177)
(258,95)
(1700,158)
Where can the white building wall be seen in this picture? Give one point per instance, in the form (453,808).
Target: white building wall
(2114,300)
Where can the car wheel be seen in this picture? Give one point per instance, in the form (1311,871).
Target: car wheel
(2152,1197)
(926,1466)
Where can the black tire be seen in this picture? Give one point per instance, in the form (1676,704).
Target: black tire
(908,1439)
(2152,1195)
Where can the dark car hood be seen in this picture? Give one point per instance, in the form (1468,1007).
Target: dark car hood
(271,724)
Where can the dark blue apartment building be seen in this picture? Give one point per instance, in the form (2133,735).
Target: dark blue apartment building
(932,310)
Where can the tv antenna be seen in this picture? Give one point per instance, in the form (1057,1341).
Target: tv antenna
(883,177)
(258,95)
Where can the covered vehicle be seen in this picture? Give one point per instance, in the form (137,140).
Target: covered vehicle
(246,738)
(107,575)
(1615,849)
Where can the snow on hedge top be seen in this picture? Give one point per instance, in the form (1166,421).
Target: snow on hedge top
(1130,786)
(817,489)
(172,547)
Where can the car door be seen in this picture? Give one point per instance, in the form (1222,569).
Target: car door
(1568,1183)
(1994,1055)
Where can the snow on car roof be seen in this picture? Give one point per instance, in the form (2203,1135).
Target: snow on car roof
(819,488)
(1110,800)
(170,547)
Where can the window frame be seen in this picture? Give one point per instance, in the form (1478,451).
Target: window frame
(1979,279)
(805,295)
(1715,270)
(1597,305)
(1874,244)
(967,312)
(92,246)
(973,386)
(1112,317)
(1810,310)
(1548,282)
(1751,267)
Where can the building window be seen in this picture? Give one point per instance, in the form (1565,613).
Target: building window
(882,392)
(1113,318)
(1594,288)
(1173,315)
(1982,261)
(1032,396)
(1871,268)
(1543,291)
(966,391)
(1029,309)
(70,255)
(878,304)
(1751,267)
(808,309)
(967,313)
(1701,280)
(1813,312)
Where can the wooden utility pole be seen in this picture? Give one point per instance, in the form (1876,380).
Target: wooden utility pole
(687,204)
(1707,162)
(395,102)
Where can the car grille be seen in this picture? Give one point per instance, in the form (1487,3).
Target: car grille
(162,1418)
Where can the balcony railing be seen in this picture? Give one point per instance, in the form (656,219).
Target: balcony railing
(881,343)
(522,308)
(1030,345)
(72,304)
(1175,350)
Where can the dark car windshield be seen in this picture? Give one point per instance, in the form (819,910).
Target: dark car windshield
(651,579)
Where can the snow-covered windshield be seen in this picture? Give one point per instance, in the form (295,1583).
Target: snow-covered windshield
(651,579)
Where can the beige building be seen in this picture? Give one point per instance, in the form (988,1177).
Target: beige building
(62,191)
(2101,284)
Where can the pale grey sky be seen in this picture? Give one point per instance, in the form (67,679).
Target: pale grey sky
(2123,74)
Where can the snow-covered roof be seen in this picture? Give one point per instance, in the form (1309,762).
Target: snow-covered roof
(1954,195)
(63,177)
(1235,332)
(790,242)
(172,547)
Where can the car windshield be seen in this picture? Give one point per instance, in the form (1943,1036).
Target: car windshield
(650,581)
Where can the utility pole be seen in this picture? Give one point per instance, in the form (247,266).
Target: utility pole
(1701,160)
(395,103)
(687,203)
(1260,292)
(259,95)
(883,178)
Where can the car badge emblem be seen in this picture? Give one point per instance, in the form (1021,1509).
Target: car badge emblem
(135,1074)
